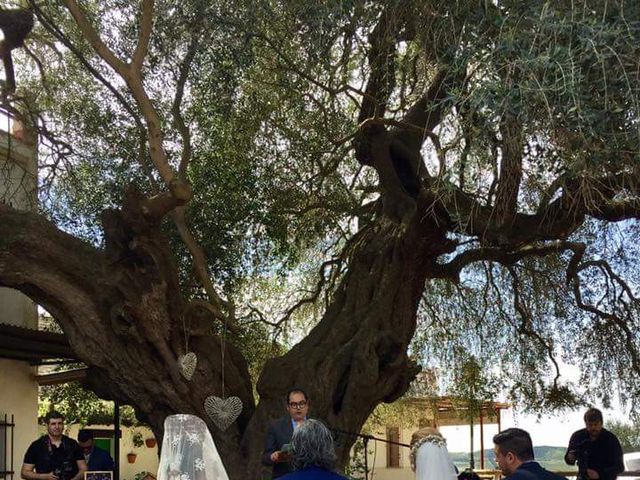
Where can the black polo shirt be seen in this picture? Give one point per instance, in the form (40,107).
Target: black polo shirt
(62,460)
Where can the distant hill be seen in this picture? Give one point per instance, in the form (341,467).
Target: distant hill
(551,458)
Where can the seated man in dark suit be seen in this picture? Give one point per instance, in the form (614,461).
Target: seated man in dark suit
(514,456)
(98,460)
(281,431)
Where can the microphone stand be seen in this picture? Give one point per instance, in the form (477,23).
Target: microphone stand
(365,441)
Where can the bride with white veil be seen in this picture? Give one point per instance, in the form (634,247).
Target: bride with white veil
(188,451)
(430,457)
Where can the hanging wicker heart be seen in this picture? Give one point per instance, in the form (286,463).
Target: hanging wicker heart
(187,364)
(223,411)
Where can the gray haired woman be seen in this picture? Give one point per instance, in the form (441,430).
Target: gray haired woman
(313,454)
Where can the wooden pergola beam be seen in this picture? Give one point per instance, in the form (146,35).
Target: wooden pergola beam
(57,378)
(19,343)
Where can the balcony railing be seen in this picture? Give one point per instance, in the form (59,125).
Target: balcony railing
(496,475)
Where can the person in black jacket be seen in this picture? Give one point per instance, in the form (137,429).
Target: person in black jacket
(54,456)
(515,458)
(279,435)
(597,450)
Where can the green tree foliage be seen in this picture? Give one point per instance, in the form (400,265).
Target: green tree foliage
(627,433)
(473,386)
(79,405)
(495,141)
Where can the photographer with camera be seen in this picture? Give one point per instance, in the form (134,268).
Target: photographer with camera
(54,456)
(597,450)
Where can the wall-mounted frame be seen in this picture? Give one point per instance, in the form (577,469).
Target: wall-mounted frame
(99,475)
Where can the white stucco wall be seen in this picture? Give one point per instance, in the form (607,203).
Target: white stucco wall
(378,458)
(146,458)
(17,309)
(19,397)
(18,389)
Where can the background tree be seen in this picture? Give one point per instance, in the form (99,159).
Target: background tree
(465,166)
(79,405)
(627,433)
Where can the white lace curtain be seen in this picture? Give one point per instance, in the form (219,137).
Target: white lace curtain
(188,451)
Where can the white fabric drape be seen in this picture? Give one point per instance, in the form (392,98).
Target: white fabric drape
(433,463)
(188,451)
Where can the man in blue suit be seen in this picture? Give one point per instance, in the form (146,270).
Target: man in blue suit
(98,460)
(276,454)
(514,455)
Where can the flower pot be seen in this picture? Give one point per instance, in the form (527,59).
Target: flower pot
(131,457)
(150,442)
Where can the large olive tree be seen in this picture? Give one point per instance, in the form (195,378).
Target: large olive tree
(414,152)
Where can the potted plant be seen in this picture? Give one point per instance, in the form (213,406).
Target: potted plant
(137,442)
(144,476)
(150,442)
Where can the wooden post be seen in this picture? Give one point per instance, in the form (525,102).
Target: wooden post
(481,440)
(472,463)
(116,439)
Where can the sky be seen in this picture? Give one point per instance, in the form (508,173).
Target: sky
(550,430)
(553,429)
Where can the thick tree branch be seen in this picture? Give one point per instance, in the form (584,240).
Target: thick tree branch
(395,154)
(425,114)
(181,126)
(506,202)
(382,41)
(202,271)
(131,74)
(33,252)
(94,39)
(616,210)
(119,309)
(553,220)
(179,191)
(146,25)
(452,269)
(142,131)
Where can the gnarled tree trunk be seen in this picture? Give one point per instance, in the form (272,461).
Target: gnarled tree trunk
(123,314)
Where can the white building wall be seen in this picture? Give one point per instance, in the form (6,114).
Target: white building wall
(146,457)
(378,458)
(18,389)
(19,397)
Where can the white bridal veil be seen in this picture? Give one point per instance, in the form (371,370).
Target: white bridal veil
(188,451)
(433,462)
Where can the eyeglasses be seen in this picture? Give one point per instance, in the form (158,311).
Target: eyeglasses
(298,405)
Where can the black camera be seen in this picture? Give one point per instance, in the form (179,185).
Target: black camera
(65,472)
(581,451)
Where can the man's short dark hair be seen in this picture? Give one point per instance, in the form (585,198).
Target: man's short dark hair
(51,415)
(516,441)
(85,435)
(593,415)
(296,390)
(468,474)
